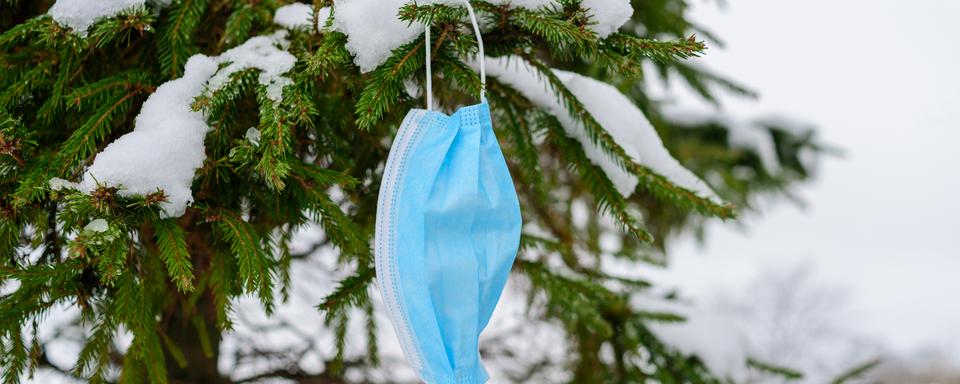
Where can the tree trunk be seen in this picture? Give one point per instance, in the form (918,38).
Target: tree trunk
(201,365)
(194,330)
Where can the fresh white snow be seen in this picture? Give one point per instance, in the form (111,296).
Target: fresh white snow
(612,110)
(79,15)
(631,129)
(609,15)
(253,136)
(58,184)
(165,148)
(97,225)
(265,53)
(299,15)
(374,29)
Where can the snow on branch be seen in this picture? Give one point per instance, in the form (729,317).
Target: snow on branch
(299,15)
(80,15)
(374,29)
(607,16)
(627,125)
(262,53)
(165,148)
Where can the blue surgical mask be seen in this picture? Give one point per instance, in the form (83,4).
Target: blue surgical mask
(447,232)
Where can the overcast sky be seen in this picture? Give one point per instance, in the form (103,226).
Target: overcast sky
(880,79)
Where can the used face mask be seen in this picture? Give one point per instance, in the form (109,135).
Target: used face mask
(447,232)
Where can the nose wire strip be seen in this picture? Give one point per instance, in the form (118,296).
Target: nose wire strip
(481,58)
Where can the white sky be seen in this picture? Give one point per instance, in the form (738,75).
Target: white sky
(880,79)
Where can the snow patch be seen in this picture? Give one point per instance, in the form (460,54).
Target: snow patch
(299,15)
(165,148)
(58,184)
(373,29)
(79,15)
(97,225)
(613,111)
(253,136)
(262,53)
(607,15)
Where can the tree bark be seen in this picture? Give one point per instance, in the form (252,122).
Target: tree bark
(188,324)
(201,365)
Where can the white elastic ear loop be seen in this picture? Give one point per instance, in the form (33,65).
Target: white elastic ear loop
(481,58)
(429,71)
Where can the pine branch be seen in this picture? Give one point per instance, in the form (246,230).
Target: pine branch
(221,279)
(350,293)
(176,42)
(33,185)
(373,349)
(25,84)
(94,359)
(385,88)
(173,250)
(658,185)
(123,28)
(701,81)
(856,372)
(779,371)
(338,226)
(434,14)
(84,141)
(254,265)
(668,365)
(558,31)
(139,319)
(330,55)
(239,25)
(276,143)
(230,94)
(22,32)
(636,48)
(607,196)
(520,136)
(14,358)
(575,301)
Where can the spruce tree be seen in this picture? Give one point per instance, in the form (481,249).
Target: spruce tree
(134,269)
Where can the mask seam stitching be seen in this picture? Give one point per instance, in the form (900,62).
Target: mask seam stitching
(387,246)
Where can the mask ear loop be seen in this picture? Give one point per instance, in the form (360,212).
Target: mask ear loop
(429,70)
(481,58)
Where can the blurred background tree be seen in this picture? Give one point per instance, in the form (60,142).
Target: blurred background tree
(282,215)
